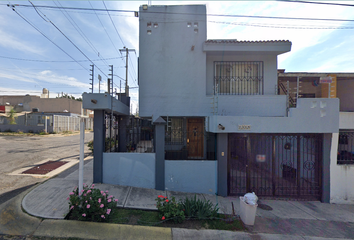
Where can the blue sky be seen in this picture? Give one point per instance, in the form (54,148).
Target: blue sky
(30,62)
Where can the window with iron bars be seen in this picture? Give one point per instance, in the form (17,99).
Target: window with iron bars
(345,148)
(238,78)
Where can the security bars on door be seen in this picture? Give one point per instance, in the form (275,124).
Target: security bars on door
(238,78)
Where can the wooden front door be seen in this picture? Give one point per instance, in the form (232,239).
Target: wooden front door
(195,137)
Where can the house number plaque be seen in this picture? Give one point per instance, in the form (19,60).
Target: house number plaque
(244,127)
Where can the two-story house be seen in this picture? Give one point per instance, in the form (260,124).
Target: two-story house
(228,131)
(221,126)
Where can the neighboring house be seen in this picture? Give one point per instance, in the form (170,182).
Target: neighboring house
(307,85)
(36,113)
(221,127)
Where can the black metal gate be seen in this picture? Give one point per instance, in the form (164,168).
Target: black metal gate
(275,165)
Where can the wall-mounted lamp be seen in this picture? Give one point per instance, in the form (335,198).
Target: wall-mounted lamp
(221,127)
(145,7)
(94,101)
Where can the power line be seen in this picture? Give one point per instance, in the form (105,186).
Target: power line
(47,37)
(281,26)
(36,60)
(74,44)
(104,28)
(113,23)
(335,4)
(78,29)
(200,14)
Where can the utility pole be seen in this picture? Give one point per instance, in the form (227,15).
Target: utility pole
(110,83)
(126,70)
(92,77)
(99,83)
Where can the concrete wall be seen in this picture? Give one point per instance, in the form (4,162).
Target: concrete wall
(341,177)
(346,120)
(23,128)
(310,116)
(129,169)
(191,176)
(345,94)
(44,104)
(172,64)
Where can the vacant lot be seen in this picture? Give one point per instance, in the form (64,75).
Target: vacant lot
(25,151)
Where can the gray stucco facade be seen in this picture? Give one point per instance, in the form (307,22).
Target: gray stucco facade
(178,79)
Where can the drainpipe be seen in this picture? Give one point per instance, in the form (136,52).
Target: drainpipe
(297,88)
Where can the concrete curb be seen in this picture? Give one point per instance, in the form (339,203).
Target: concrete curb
(91,230)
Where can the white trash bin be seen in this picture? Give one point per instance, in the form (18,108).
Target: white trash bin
(247,212)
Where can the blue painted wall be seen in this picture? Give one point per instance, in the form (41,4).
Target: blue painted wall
(129,169)
(191,176)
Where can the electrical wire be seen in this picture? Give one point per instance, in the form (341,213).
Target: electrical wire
(113,24)
(64,61)
(194,14)
(335,4)
(74,45)
(82,34)
(104,29)
(48,38)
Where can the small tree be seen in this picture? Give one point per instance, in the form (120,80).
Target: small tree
(12,116)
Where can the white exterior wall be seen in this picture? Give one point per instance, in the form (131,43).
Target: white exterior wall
(341,177)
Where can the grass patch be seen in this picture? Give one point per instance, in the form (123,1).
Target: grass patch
(151,218)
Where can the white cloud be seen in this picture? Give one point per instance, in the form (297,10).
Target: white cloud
(10,41)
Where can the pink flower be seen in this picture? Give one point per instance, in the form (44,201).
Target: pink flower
(93,185)
(71,207)
(102,205)
(116,200)
(82,190)
(88,206)
(109,200)
(111,196)
(102,192)
(99,200)
(163,218)
(67,198)
(166,200)
(86,201)
(85,195)
(109,211)
(88,191)
(90,198)
(71,193)
(102,216)
(84,214)
(106,191)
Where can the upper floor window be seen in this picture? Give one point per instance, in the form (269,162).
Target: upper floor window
(238,78)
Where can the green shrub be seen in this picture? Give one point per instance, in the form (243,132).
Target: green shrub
(169,209)
(43,133)
(91,205)
(90,145)
(196,208)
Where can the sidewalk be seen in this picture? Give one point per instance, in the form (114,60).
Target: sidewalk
(286,220)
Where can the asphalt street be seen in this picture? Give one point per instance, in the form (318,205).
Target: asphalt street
(26,151)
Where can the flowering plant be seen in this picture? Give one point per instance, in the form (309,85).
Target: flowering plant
(169,209)
(91,204)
